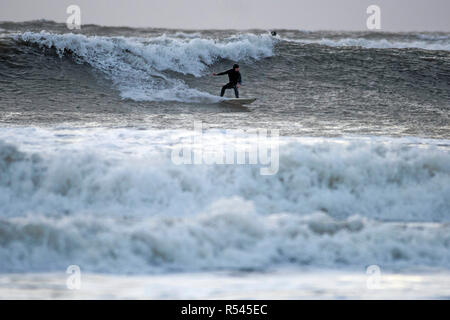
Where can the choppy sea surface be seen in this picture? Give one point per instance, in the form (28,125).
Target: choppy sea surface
(89,120)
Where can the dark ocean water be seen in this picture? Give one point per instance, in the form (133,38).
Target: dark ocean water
(307,83)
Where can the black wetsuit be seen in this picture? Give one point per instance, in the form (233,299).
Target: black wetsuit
(234,78)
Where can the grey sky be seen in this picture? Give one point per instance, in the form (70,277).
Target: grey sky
(396,15)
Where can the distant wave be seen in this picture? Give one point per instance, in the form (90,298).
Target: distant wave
(433,37)
(441,43)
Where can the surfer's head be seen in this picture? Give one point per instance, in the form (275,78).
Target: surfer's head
(236,67)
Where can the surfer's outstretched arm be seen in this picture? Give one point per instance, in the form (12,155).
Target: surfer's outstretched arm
(220,73)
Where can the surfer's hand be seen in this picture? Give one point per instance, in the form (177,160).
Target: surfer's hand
(238,85)
(214,74)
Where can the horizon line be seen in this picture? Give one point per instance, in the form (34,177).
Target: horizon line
(224,29)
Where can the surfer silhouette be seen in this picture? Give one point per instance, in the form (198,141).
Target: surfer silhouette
(234,81)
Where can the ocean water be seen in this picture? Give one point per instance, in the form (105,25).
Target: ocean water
(89,122)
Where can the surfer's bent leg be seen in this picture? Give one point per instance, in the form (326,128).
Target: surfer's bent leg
(225,87)
(223,90)
(236,91)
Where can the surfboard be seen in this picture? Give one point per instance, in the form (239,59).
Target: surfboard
(239,101)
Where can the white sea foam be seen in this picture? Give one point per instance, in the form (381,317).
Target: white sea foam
(112,201)
(284,283)
(136,65)
(229,234)
(391,179)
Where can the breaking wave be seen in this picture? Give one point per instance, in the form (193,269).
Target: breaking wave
(138,66)
(105,207)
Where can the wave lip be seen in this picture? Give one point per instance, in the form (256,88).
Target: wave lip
(137,66)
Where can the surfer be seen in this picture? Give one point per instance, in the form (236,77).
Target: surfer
(234,77)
